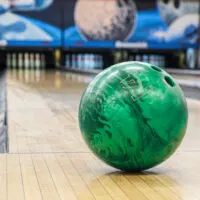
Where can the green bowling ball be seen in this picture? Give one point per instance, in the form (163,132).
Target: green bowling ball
(133,116)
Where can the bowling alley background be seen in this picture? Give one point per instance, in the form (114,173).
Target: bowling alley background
(81,28)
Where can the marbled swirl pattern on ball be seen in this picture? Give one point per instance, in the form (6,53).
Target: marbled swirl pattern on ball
(133,116)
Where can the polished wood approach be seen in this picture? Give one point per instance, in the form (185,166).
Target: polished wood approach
(48,158)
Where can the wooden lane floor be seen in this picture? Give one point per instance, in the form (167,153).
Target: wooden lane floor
(48,159)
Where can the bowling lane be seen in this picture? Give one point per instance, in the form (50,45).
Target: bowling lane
(43,111)
(46,145)
(43,108)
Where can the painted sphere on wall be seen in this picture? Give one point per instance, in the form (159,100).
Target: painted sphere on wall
(105,20)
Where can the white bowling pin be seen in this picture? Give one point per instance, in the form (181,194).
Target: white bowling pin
(145,58)
(26,60)
(91,59)
(151,60)
(14,60)
(88,61)
(78,61)
(20,60)
(37,61)
(32,60)
(191,58)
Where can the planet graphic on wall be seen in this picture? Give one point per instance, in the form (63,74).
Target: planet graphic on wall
(105,19)
(170,10)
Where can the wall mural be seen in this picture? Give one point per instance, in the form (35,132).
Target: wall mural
(18,29)
(100,23)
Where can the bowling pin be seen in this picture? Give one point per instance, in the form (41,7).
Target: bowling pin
(26,60)
(91,61)
(151,60)
(191,58)
(145,58)
(82,61)
(157,60)
(32,61)
(37,61)
(14,60)
(85,65)
(20,60)
(154,60)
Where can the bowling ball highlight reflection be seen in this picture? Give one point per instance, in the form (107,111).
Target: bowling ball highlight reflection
(133,116)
